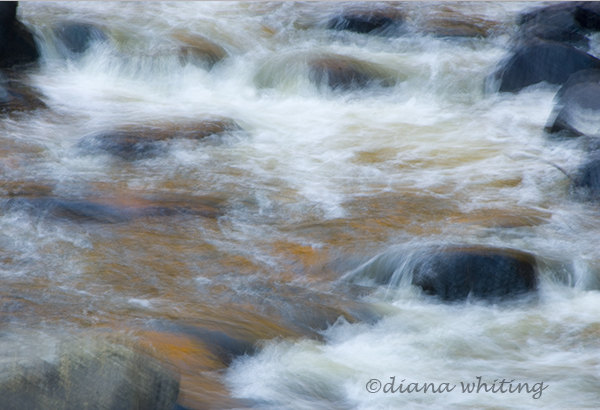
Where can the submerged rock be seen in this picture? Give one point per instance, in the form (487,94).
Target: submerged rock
(536,61)
(201,51)
(103,211)
(17,45)
(145,142)
(488,273)
(379,21)
(17,97)
(73,210)
(449,23)
(77,37)
(587,182)
(41,372)
(347,73)
(223,346)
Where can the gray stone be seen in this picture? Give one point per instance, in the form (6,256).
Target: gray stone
(44,372)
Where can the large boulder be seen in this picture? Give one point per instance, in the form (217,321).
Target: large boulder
(41,372)
(17,45)
(536,61)
(454,274)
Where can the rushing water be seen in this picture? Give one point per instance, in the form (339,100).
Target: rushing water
(291,214)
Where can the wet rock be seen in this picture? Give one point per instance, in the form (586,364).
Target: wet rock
(17,97)
(587,182)
(591,75)
(148,142)
(166,205)
(576,16)
(537,61)
(347,73)
(223,346)
(587,15)
(454,274)
(578,110)
(40,372)
(77,37)
(449,23)
(381,21)
(200,51)
(17,45)
(553,33)
(562,15)
(96,211)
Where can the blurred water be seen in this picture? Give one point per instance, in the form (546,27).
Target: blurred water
(317,187)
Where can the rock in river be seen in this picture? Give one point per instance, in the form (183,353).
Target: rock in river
(42,372)
(454,274)
(537,60)
(134,143)
(17,45)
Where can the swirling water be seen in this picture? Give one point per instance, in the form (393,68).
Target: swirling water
(317,186)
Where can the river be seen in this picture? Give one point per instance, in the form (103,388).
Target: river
(270,232)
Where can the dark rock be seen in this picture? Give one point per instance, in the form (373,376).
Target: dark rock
(84,211)
(77,37)
(17,45)
(488,273)
(385,21)
(587,182)
(128,145)
(587,15)
(553,33)
(591,75)
(562,15)
(17,97)
(8,14)
(145,142)
(578,111)
(537,61)
(223,346)
(41,372)
(346,73)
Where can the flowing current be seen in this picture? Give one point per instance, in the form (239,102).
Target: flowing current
(274,232)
